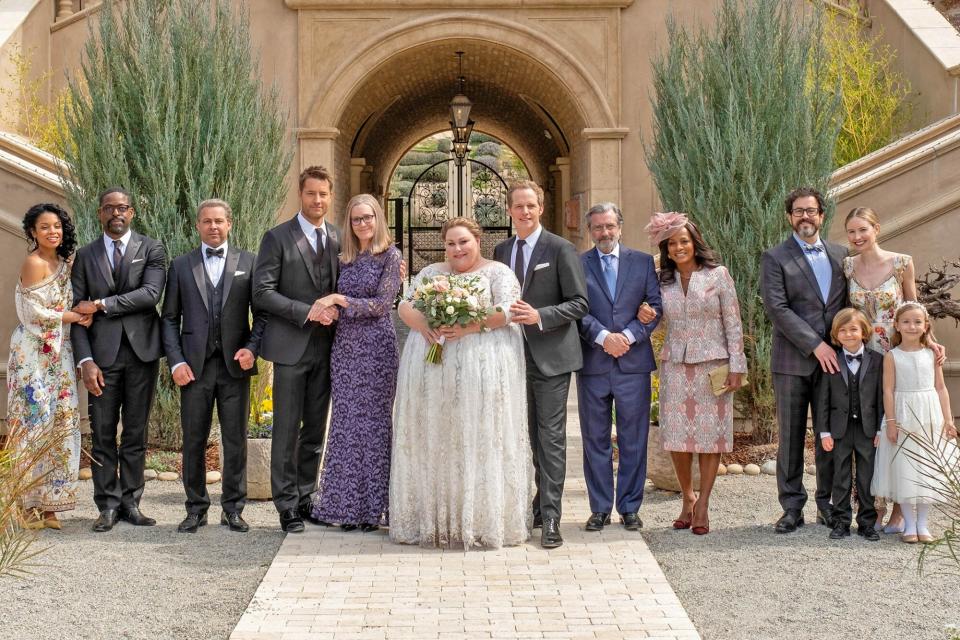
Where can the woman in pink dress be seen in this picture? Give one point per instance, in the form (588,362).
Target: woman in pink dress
(704,332)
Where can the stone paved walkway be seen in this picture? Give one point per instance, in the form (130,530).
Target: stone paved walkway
(327,583)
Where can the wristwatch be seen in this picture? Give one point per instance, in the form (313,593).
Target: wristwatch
(98,303)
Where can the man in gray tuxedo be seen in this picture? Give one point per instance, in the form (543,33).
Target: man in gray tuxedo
(554,298)
(296,266)
(803,287)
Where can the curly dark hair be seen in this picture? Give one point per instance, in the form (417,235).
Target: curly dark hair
(804,192)
(702,253)
(69,242)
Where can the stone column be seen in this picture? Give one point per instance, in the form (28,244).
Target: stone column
(357,165)
(560,172)
(604,165)
(318,147)
(64,9)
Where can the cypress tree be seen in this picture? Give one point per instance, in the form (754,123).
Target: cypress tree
(742,115)
(169,105)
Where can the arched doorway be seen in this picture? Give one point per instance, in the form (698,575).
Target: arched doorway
(361,112)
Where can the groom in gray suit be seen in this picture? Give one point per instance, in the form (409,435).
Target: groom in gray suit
(554,297)
(803,287)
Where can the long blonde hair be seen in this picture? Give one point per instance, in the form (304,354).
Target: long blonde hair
(927,339)
(350,248)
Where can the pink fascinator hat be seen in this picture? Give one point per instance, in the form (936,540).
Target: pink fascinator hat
(664,225)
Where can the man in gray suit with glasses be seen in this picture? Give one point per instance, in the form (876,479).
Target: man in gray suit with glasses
(803,287)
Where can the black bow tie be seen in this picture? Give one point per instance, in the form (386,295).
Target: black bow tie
(856,358)
(215,252)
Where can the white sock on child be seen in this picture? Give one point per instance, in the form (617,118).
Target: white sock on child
(909,519)
(923,511)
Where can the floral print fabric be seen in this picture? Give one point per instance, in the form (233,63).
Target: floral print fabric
(42,390)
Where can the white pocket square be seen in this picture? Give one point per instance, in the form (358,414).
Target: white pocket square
(136,260)
(239,273)
(542,265)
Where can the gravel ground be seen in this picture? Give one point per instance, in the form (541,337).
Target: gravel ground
(744,581)
(141,582)
(740,581)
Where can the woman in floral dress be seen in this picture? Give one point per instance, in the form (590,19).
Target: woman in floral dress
(878,282)
(363,371)
(41,380)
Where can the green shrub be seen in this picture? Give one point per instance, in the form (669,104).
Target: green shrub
(741,117)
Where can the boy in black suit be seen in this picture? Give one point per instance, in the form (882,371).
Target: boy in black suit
(851,408)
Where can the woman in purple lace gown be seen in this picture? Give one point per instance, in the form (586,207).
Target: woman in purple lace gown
(363,369)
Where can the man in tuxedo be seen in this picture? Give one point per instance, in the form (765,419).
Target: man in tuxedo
(119,278)
(554,297)
(803,288)
(296,266)
(212,352)
(617,361)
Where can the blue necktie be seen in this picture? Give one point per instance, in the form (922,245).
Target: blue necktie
(610,274)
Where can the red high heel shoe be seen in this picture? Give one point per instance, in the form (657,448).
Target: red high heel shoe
(701,531)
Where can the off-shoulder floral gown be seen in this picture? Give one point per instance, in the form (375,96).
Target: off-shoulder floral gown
(42,390)
(461,473)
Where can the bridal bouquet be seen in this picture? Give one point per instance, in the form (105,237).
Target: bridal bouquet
(448,300)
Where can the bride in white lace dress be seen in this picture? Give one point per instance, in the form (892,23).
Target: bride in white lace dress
(461,471)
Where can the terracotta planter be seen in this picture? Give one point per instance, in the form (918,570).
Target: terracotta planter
(660,469)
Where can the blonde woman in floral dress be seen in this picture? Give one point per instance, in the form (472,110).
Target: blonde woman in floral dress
(41,379)
(878,282)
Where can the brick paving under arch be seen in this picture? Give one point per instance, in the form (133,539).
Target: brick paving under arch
(327,583)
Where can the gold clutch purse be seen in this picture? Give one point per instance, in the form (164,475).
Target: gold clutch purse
(718,379)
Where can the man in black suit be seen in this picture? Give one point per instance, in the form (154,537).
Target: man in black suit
(554,298)
(119,277)
(212,352)
(296,266)
(803,288)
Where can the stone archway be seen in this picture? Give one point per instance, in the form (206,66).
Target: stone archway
(552,102)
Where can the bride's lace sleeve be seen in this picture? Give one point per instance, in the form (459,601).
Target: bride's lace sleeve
(504,288)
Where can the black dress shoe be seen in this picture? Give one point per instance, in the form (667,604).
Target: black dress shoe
(631,521)
(348,527)
(550,537)
(367,527)
(106,520)
(233,520)
(192,522)
(597,521)
(290,521)
(537,521)
(789,521)
(840,531)
(868,533)
(134,517)
(306,513)
(824,519)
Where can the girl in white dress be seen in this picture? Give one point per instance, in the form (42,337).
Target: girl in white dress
(461,471)
(919,423)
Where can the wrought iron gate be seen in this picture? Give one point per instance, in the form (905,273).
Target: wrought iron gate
(484,199)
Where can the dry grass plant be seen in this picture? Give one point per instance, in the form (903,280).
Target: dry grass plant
(21,453)
(938,460)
